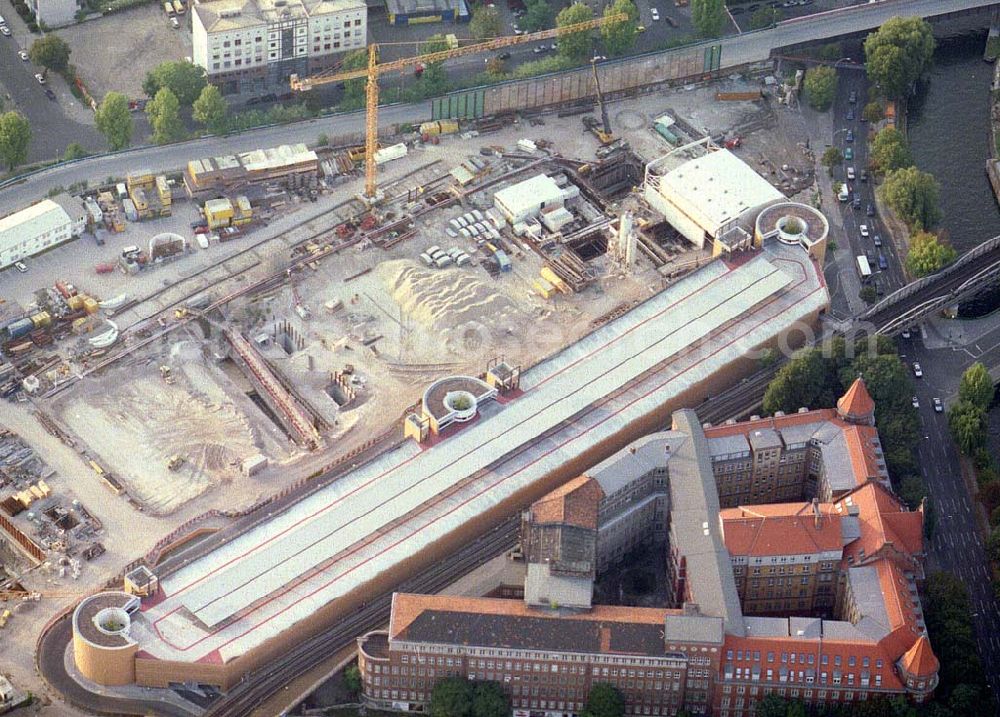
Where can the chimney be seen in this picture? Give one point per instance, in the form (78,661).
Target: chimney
(816,512)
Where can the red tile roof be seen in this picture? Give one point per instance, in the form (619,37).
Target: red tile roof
(573,503)
(781,529)
(920,660)
(883,521)
(856,401)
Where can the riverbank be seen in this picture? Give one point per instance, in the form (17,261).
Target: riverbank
(993,163)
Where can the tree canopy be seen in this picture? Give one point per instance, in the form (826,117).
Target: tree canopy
(873,111)
(489,700)
(976,386)
(451,697)
(619,37)
(114,121)
(821,86)
(537,16)
(354,90)
(708,16)
(184,79)
(50,52)
(967,422)
(913,195)
(890,150)
(832,156)
(604,700)
(898,53)
(164,117)
(485,23)
(210,109)
(928,254)
(15,137)
(765,17)
(575,46)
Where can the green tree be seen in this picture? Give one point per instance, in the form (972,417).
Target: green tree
(537,16)
(619,37)
(805,380)
(832,157)
(485,23)
(210,109)
(976,386)
(488,700)
(967,422)
(495,67)
(772,705)
(821,86)
(604,700)
(74,150)
(913,195)
(890,150)
(15,136)
(51,52)
(873,111)
(928,254)
(115,121)
(708,17)
(898,53)
(765,17)
(352,678)
(912,490)
(575,46)
(184,79)
(434,79)
(451,697)
(164,117)
(354,90)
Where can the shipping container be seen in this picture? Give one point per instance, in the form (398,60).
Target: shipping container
(41,319)
(502,259)
(442,261)
(131,213)
(395,151)
(169,9)
(21,327)
(178,7)
(426,259)
(447,126)
(477,214)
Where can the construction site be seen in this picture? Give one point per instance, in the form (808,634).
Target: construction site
(256,320)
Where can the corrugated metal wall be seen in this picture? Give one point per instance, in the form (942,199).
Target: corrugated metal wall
(576,84)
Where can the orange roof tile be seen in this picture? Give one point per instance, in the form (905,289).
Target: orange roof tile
(775,422)
(857,401)
(407,607)
(920,660)
(781,529)
(882,520)
(573,503)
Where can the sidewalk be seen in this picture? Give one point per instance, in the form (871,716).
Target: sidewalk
(940,333)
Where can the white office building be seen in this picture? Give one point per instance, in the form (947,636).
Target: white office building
(248,46)
(39,227)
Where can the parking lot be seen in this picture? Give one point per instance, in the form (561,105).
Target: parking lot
(116,52)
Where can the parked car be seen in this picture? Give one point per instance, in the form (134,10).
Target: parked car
(4,30)
(671,21)
(938,406)
(917,371)
(870,211)
(857,202)
(850,172)
(654,13)
(23,55)
(850,114)
(850,136)
(864,175)
(883,263)
(878,240)
(906,333)
(853,97)
(40,77)
(915,401)
(848,153)
(503,56)
(174,23)
(19,265)
(863,228)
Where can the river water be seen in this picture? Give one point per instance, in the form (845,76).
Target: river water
(949,135)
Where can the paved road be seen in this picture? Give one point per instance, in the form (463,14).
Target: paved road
(956,545)
(28,98)
(853,79)
(737,50)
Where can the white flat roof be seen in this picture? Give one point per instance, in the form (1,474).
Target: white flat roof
(37,219)
(529,194)
(278,573)
(716,188)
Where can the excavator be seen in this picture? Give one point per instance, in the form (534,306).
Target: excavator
(603,133)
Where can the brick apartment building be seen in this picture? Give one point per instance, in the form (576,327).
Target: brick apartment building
(814,599)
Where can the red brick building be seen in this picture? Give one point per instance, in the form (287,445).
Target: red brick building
(814,599)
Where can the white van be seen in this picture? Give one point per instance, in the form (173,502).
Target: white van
(202,240)
(850,172)
(844,195)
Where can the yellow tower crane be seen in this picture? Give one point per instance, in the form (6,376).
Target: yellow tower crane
(376,70)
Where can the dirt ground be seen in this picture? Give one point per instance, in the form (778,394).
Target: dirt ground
(115,52)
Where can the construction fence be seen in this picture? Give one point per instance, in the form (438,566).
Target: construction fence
(619,76)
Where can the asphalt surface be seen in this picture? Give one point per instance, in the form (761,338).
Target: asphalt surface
(737,50)
(956,545)
(52,129)
(854,79)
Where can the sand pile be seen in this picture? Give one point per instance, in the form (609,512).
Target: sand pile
(446,301)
